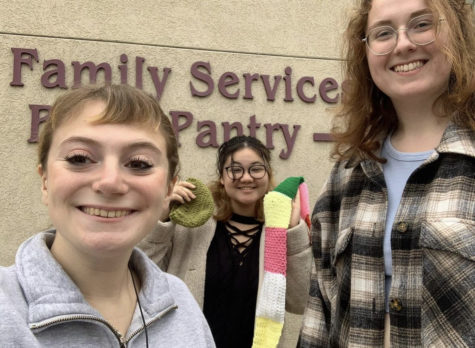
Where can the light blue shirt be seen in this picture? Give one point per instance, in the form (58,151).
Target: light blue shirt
(397,170)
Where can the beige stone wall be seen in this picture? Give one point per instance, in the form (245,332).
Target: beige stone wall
(240,36)
(232,36)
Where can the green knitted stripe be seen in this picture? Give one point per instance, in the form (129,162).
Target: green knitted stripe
(290,186)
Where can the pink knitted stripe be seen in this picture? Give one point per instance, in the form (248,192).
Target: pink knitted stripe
(275,255)
(304,200)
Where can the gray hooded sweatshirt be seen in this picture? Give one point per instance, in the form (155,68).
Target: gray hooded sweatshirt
(40,306)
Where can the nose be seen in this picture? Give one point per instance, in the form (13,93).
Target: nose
(403,43)
(246,176)
(110,179)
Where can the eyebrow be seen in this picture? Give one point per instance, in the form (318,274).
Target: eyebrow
(144,144)
(389,22)
(253,163)
(133,146)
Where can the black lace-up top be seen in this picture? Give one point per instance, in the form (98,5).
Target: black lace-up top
(232,277)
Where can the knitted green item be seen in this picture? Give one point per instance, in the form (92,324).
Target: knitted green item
(197,211)
(290,186)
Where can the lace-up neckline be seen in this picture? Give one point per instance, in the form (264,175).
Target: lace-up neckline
(242,239)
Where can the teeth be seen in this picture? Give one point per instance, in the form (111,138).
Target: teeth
(408,67)
(105,213)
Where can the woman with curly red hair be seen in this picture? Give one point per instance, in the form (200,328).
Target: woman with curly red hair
(393,230)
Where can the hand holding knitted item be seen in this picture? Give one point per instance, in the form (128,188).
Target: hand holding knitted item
(270,308)
(197,211)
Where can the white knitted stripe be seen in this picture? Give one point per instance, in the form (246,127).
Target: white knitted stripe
(271,301)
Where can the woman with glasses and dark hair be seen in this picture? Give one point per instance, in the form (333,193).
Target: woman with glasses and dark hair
(222,261)
(393,231)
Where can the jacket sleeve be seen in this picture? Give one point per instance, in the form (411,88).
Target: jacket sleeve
(325,221)
(158,243)
(299,259)
(314,332)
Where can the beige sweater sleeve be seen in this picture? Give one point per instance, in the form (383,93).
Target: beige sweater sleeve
(299,260)
(181,251)
(158,243)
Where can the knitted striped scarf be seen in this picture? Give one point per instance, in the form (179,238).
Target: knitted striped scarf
(270,308)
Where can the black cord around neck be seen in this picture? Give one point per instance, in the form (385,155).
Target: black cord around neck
(140,308)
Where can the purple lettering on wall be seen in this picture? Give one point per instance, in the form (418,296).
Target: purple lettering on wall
(288,84)
(93,70)
(177,126)
(270,128)
(227,128)
(302,81)
(199,75)
(253,126)
(19,60)
(226,80)
(37,119)
(201,71)
(327,85)
(289,139)
(201,84)
(322,137)
(157,82)
(271,91)
(123,69)
(209,133)
(248,78)
(139,72)
(58,71)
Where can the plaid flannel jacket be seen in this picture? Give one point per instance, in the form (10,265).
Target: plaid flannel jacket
(432,296)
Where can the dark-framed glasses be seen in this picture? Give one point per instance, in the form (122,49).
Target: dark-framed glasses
(256,171)
(421,30)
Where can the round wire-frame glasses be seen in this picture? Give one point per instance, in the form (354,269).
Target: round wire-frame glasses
(420,30)
(256,171)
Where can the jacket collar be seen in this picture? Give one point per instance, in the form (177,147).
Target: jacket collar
(458,140)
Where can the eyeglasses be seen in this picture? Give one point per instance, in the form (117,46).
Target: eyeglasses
(256,171)
(421,31)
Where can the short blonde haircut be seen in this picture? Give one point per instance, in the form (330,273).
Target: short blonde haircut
(124,105)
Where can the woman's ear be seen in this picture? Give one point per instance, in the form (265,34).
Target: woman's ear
(171,185)
(44,184)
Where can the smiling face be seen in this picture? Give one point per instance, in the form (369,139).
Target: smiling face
(245,192)
(104,184)
(409,72)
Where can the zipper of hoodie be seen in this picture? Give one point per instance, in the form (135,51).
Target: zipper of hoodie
(157,317)
(37,326)
(123,343)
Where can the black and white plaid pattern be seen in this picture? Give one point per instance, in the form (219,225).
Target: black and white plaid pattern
(432,296)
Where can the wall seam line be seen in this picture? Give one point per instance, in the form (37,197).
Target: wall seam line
(172,46)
